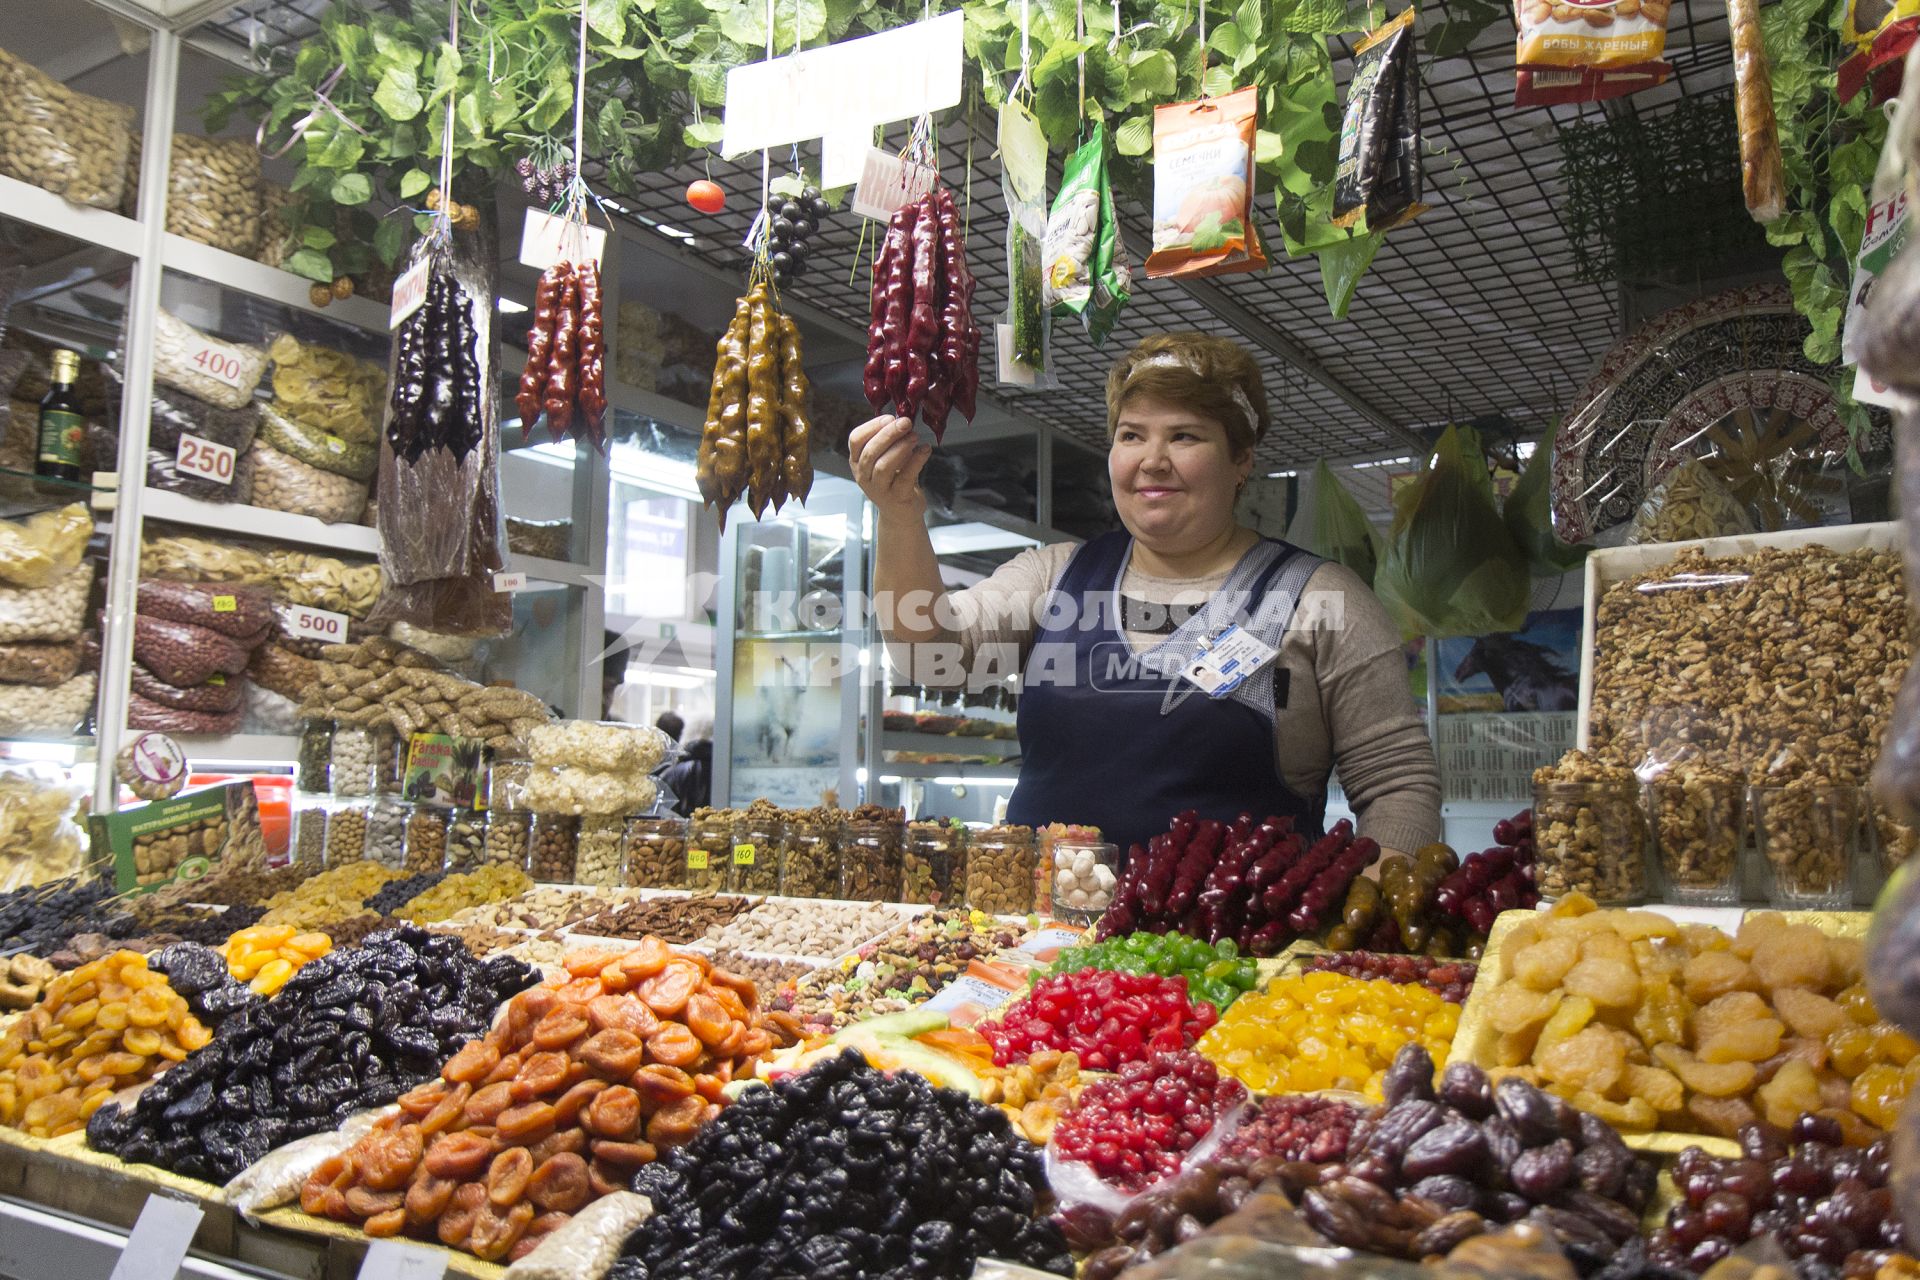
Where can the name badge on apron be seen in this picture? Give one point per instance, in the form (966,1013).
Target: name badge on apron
(1227,661)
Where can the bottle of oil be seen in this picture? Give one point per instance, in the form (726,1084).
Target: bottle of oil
(61,427)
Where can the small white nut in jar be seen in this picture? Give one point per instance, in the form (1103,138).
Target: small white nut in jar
(1082,881)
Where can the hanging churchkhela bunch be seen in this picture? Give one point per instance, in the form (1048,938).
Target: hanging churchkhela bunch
(923,349)
(435,403)
(565,375)
(758,437)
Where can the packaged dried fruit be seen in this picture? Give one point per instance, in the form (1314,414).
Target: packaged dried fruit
(1203,187)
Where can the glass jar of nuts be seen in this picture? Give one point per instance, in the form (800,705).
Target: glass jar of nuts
(1590,831)
(709,850)
(310,838)
(935,863)
(1807,830)
(656,852)
(346,835)
(759,836)
(351,762)
(466,839)
(1699,827)
(810,865)
(426,840)
(313,754)
(1894,841)
(601,852)
(386,841)
(389,760)
(556,842)
(1000,870)
(871,853)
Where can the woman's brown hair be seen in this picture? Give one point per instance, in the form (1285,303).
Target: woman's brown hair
(1214,376)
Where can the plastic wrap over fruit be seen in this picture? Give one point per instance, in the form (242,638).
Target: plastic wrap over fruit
(586,1244)
(277,1179)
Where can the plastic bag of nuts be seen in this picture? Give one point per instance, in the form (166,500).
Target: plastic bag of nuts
(287,674)
(327,392)
(182,653)
(656,853)
(283,483)
(242,612)
(144,713)
(555,845)
(221,373)
(219,696)
(59,711)
(1554,33)
(317,448)
(1699,826)
(57,611)
(269,713)
(278,241)
(46,663)
(600,851)
(61,141)
(1000,864)
(213,192)
(1590,831)
(346,835)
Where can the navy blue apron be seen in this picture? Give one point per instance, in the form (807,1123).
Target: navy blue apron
(1102,743)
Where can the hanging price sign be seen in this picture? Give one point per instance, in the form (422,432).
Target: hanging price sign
(409,293)
(205,459)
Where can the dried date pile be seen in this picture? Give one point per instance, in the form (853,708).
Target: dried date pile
(806,1178)
(354,1029)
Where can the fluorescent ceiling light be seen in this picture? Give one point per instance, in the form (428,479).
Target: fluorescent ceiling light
(508,307)
(664,679)
(975,535)
(1382,462)
(1281,475)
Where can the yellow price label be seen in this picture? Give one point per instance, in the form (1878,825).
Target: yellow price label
(216,678)
(696,859)
(743,855)
(225,604)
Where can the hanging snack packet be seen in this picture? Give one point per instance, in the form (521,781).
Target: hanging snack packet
(1203,187)
(1881,32)
(1086,270)
(1590,33)
(1395,200)
(1559,86)
(1023,339)
(1368,129)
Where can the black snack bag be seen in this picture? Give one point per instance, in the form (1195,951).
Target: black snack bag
(1370,131)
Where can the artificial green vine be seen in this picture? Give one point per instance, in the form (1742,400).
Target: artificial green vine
(657,75)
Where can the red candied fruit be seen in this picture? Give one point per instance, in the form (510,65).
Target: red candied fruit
(1108,1018)
(1134,1129)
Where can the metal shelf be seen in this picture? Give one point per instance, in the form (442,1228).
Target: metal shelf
(259,522)
(244,275)
(28,203)
(1005,771)
(255,747)
(947,744)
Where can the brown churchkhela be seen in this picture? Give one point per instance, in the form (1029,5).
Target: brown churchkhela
(565,374)
(758,436)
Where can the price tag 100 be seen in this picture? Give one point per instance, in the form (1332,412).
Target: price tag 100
(304,623)
(205,459)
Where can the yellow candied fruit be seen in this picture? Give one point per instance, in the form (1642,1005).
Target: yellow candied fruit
(1877,1093)
(272,976)
(1327,1030)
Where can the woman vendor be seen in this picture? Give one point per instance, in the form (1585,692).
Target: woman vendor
(1183,662)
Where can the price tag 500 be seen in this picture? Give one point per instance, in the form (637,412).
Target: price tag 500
(304,623)
(205,459)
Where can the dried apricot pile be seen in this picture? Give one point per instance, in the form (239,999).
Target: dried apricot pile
(588,1077)
(1327,1031)
(1648,1024)
(106,1025)
(266,955)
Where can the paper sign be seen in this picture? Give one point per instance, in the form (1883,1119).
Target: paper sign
(887,182)
(967,999)
(212,359)
(1868,389)
(392,1260)
(545,240)
(743,855)
(843,156)
(409,292)
(205,459)
(894,75)
(158,759)
(304,623)
(509,581)
(696,859)
(157,1245)
(1881,240)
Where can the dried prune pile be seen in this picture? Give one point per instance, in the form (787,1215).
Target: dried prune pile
(1430,1170)
(200,974)
(399,893)
(40,918)
(844,1173)
(190,924)
(354,1029)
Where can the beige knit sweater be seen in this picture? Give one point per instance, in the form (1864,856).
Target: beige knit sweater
(1348,707)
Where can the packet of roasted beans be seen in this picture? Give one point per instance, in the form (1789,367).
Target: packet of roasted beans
(1203,187)
(1590,33)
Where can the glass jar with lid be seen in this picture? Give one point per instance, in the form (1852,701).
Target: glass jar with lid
(934,863)
(346,835)
(759,837)
(313,755)
(386,841)
(600,859)
(1000,863)
(310,837)
(656,852)
(709,850)
(1591,837)
(555,848)
(871,856)
(810,864)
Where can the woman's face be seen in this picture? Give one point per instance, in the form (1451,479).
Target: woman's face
(1174,475)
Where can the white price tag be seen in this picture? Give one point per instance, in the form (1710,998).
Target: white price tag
(843,155)
(545,240)
(304,623)
(1231,658)
(210,358)
(392,1260)
(205,459)
(888,182)
(509,581)
(409,292)
(158,1242)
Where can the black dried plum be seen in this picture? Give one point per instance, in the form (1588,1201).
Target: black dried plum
(1527,1109)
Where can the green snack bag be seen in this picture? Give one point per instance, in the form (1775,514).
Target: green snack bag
(1112,273)
(1086,270)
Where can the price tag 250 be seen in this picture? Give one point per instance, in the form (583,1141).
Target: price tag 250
(205,459)
(304,623)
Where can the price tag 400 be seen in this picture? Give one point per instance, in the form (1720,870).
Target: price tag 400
(218,362)
(205,459)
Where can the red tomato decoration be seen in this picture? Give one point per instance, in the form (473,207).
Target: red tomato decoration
(706,196)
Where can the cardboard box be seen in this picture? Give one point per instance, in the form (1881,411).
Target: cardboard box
(185,838)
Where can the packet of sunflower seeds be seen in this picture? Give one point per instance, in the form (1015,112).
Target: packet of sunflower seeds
(1112,273)
(1086,269)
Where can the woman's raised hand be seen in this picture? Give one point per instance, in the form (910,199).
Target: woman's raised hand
(887,458)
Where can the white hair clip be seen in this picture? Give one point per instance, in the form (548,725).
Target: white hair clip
(1173,360)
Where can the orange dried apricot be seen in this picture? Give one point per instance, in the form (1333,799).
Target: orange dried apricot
(561,1026)
(559,1184)
(615,1113)
(613,1053)
(674,1045)
(508,1175)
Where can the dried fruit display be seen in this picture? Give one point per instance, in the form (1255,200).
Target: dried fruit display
(588,1078)
(758,437)
(1305,1127)
(900,970)
(1328,1031)
(1260,884)
(1218,974)
(1652,1024)
(327,896)
(1494,880)
(109,1024)
(1134,1129)
(565,375)
(803,1178)
(1176,1212)
(265,956)
(1448,979)
(1401,910)
(437,392)
(1433,1169)
(455,893)
(1108,1019)
(352,1030)
(923,348)
(1826,1205)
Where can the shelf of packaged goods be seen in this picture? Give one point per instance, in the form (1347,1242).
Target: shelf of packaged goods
(259,522)
(27,203)
(947,744)
(244,275)
(204,749)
